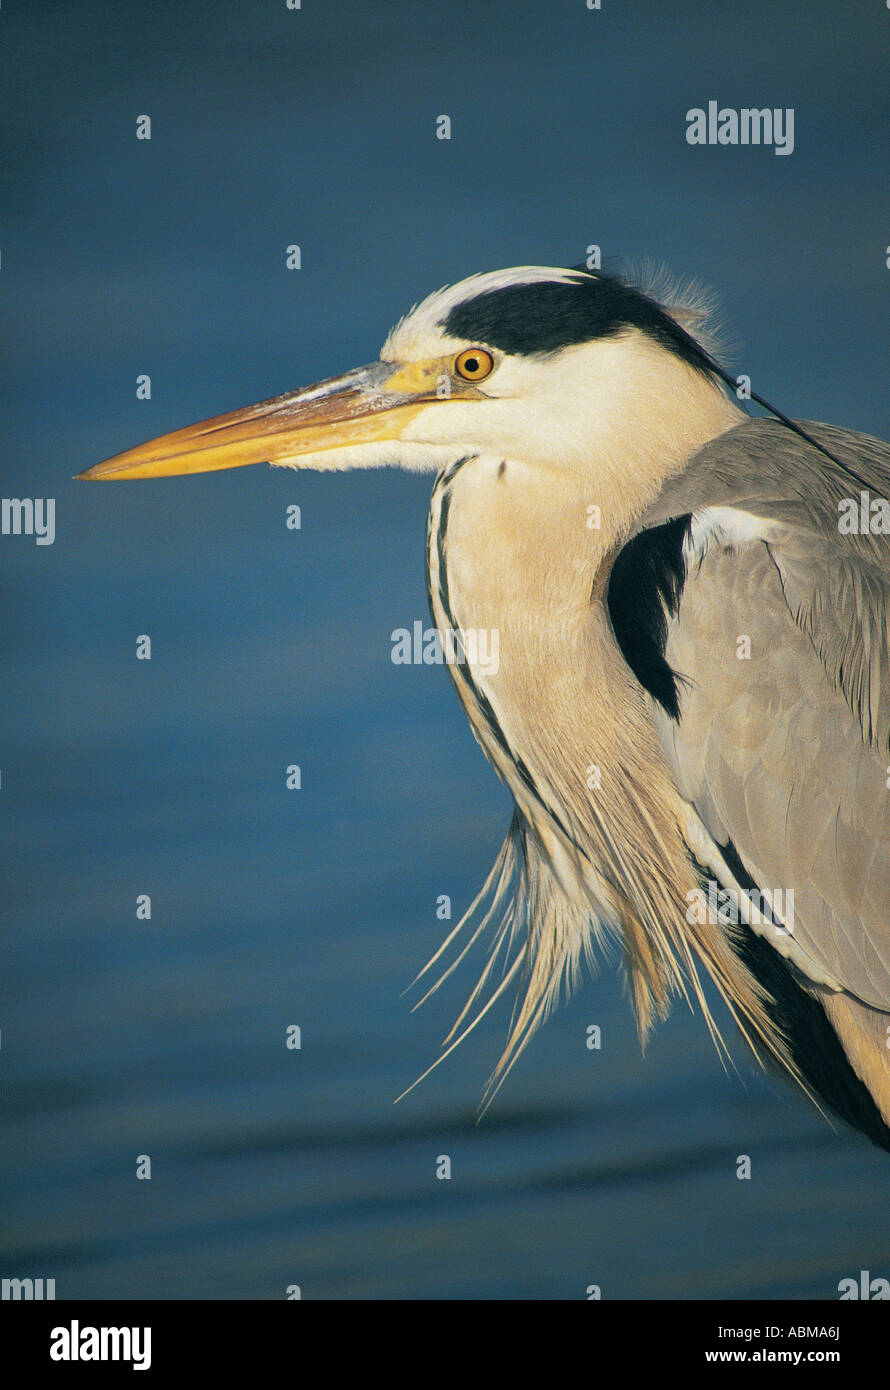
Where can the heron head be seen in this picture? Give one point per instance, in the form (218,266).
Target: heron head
(539,364)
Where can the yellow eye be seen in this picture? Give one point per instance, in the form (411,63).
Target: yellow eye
(474,364)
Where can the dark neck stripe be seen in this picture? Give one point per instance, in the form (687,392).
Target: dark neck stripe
(483,704)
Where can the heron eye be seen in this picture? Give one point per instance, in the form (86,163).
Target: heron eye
(473,364)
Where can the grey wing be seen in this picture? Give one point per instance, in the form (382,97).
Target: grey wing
(781,645)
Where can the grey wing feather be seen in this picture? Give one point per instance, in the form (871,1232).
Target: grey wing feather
(785,752)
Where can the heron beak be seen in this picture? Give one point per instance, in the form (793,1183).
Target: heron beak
(368,405)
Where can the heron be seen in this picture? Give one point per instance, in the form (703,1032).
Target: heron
(691,702)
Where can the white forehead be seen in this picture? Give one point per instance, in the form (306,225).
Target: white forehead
(419,333)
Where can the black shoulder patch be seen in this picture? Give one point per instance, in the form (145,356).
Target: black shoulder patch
(812,1042)
(644,590)
(546,315)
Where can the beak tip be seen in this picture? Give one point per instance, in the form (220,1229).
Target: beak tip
(92,475)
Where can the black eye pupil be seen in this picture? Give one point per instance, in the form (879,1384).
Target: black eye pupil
(472,364)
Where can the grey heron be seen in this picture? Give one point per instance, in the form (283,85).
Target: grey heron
(691,703)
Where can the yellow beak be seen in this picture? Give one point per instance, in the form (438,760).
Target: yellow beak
(362,406)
